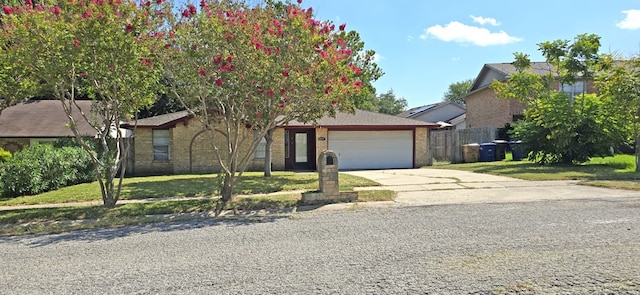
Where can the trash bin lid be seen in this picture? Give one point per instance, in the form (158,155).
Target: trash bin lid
(487,144)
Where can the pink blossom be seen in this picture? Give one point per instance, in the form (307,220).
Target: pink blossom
(217,60)
(342,26)
(202,72)
(345,79)
(281,105)
(76,43)
(219,82)
(87,13)
(229,59)
(128,28)
(259,115)
(358,84)
(299,1)
(29,2)
(247,103)
(7,9)
(327,90)
(270,92)
(158,1)
(285,73)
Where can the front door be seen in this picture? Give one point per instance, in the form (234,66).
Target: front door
(300,147)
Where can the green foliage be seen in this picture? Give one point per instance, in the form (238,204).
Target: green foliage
(42,167)
(4,155)
(561,131)
(387,103)
(559,128)
(457,90)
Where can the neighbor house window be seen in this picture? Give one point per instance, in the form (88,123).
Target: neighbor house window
(574,89)
(161,141)
(260,149)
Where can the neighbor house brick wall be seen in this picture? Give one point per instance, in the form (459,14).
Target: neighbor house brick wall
(421,150)
(485,109)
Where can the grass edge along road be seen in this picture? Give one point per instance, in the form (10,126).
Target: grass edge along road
(195,196)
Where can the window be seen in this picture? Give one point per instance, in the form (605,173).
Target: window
(574,89)
(260,152)
(161,141)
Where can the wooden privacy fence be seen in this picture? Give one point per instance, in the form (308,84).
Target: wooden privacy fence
(446,145)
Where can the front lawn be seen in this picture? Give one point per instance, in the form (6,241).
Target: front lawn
(199,194)
(187,186)
(612,172)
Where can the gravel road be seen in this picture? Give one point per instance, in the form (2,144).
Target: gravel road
(550,247)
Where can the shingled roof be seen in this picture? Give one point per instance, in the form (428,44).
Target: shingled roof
(42,119)
(161,121)
(365,119)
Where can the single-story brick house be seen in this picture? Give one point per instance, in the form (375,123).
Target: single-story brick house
(37,121)
(176,144)
(484,108)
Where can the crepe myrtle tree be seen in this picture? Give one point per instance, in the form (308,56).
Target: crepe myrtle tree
(243,70)
(101,50)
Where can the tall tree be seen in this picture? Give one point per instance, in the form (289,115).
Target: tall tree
(98,49)
(388,103)
(243,70)
(619,81)
(457,90)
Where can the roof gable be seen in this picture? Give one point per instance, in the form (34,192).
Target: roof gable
(501,71)
(44,119)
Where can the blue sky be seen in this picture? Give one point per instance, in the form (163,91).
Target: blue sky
(424,46)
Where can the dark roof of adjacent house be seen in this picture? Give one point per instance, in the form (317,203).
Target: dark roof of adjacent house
(361,119)
(501,71)
(161,121)
(42,119)
(414,112)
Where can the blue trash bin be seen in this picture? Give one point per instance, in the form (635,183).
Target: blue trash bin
(516,150)
(487,152)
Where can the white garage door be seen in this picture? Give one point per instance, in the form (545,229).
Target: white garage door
(372,149)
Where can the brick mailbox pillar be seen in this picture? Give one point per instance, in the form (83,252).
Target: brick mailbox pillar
(329,191)
(328,173)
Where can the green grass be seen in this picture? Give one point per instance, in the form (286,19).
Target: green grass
(187,186)
(619,167)
(26,221)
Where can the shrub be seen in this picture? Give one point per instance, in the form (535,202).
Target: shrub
(41,168)
(4,155)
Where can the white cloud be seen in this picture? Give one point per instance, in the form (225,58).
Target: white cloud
(456,59)
(632,21)
(484,20)
(461,33)
(377,57)
(409,38)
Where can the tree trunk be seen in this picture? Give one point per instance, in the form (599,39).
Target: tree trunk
(226,192)
(267,152)
(638,154)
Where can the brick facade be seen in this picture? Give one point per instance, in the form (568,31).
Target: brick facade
(421,149)
(485,109)
(191,150)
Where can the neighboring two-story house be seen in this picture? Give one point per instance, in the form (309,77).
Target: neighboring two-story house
(484,108)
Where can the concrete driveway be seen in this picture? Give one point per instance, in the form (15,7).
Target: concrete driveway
(419,187)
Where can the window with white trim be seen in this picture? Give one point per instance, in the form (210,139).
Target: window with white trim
(574,89)
(260,152)
(161,140)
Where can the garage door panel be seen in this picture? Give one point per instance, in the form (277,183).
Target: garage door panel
(372,149)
